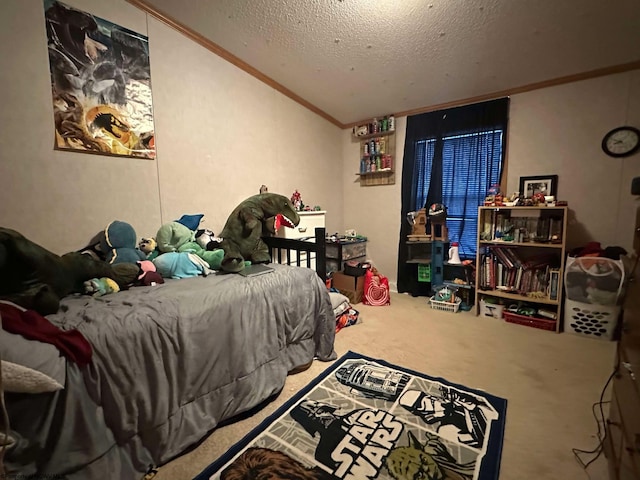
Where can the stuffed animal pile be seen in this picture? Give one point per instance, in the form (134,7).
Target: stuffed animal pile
(37,279)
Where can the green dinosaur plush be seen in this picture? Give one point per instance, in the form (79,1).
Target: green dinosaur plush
(242,234)
(35,278)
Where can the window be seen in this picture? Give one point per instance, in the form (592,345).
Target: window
(471,163)
(453,157)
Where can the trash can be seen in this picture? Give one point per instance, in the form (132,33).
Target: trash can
(593,287)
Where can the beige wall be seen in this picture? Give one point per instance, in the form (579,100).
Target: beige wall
(220,134)
(557,130)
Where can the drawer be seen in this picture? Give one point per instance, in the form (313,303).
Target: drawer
(309,221)
(346,251)
(335,265)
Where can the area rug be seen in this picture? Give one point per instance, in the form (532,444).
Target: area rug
(365,418)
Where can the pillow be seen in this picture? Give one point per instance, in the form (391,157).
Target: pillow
(19,379)
(32,366)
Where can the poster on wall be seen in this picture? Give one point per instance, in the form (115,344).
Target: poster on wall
(101,84)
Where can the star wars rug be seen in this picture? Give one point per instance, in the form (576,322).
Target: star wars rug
(367,419)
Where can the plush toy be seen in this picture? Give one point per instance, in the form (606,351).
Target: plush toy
(97,287)
(192,222)
(212,257)
(149,247)
(118,243)
(171,236)
(243,231)
(35,278)
(180,265)
(207,239)
(148,274)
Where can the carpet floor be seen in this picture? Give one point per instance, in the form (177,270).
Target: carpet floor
(551,382)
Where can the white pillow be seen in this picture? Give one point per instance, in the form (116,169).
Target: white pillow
(20,379)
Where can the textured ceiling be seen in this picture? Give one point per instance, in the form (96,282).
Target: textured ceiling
(357,59)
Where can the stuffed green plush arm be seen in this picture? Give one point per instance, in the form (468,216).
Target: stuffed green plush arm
(212,257)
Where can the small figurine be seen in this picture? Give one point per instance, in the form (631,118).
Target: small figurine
(296,199)
(538,198)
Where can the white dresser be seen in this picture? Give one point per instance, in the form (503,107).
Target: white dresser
(309,221)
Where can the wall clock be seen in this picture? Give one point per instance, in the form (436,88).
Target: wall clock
(621,141)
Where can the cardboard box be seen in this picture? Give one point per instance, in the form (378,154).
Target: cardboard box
(351,287)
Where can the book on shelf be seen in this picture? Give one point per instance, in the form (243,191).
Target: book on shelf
(554,279)
(522,226)
(503,268)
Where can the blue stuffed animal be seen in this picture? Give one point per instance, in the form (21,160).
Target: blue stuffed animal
(118,243)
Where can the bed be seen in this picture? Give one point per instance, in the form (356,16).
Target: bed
(170,362)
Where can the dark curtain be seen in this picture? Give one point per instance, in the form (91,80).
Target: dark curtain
(436,126)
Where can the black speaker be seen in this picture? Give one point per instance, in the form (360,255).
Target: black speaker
(635,186)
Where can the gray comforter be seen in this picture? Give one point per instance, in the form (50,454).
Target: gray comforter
(170,363)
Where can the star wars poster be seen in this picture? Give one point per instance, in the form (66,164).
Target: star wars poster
(101,84)
(370,420)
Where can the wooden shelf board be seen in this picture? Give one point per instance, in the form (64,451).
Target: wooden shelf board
(520,244)
(460,285)
(378,178)
(368,136)
(382,170)
(517,297)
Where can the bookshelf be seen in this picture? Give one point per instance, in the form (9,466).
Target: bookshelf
(520,262)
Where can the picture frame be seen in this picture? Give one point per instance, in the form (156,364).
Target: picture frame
(545,184)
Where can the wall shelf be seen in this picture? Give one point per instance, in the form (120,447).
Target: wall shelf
(377,152)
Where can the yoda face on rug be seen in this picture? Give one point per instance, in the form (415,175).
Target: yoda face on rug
(242,233)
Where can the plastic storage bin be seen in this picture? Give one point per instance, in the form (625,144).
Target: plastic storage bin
(491,309)
(598,321)
(445,299)
(593,288)
(424,273)
(535,322)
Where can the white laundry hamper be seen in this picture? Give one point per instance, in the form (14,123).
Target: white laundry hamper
(593,287)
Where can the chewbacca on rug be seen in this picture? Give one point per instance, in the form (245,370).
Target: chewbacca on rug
(265,464)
